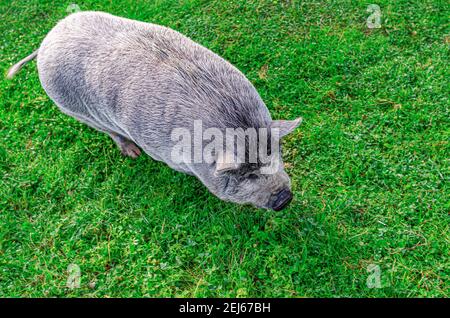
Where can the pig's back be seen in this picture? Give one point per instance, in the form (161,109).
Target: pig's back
(143,79)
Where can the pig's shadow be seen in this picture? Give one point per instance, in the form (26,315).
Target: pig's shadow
(147,177)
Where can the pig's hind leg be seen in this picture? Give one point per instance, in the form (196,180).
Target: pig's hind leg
(126,146)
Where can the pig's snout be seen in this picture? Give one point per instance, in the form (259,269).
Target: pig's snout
(281,200)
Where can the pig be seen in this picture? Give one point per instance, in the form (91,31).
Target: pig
(137,82)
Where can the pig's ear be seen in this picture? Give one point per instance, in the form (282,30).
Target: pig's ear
(226,162)
(286,126)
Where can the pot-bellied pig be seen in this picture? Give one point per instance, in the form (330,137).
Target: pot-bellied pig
(151,88)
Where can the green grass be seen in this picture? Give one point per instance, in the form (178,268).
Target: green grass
(369,166)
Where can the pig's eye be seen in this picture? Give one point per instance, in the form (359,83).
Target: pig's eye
(253,176)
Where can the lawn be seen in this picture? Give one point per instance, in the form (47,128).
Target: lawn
(369,165)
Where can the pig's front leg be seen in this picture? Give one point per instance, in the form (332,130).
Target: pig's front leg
(126,146)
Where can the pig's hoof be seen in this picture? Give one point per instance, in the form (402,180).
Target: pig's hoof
(126,146)
(129,148)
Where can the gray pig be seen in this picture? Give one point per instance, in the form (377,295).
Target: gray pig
(138,81)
